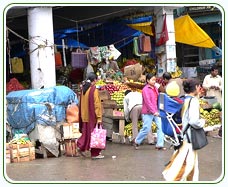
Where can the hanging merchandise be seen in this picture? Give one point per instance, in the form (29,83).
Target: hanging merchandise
(104,52)
(114,52)
(135,46)
(79,59)
(17,65)
(164,35)
(145,43)
(58,60)
(94,55)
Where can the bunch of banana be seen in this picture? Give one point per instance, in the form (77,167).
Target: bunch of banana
(212,117)
(19,141)
(128,128)
(177,73)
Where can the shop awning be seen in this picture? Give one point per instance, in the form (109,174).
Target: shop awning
(188,32)
(145,27)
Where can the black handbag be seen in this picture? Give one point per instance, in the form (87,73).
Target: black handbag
(199,138)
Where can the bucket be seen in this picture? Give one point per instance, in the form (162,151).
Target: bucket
(210,99)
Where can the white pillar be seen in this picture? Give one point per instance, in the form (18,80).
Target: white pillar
(41,46)
(166,54)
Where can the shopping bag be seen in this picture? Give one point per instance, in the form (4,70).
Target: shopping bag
(98,137)
(58,60)
(199,138)
(17,65)
(72,113)
(79,59)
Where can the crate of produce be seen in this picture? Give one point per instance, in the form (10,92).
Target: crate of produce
(22,152)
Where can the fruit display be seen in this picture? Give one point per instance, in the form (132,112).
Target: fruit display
(177,73)
(118,97)
(210,114)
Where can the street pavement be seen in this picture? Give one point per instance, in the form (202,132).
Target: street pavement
(122,164)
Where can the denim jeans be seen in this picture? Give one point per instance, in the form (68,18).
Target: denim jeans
(147,122)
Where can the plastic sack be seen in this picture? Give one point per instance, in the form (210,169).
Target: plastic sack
(72,113)
(98,138)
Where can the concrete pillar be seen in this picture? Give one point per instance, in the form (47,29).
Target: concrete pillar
(41,40)
(166,54)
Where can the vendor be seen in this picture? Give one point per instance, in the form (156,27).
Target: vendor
(213,84)
(113,64)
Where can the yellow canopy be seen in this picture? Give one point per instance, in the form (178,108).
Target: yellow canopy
(188,32)
(144,27)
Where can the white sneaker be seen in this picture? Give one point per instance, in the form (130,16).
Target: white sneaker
(98,157)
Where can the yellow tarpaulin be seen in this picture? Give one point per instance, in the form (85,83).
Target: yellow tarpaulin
(188,32)
(144,27)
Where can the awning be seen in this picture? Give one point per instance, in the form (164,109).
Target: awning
(145,27)
(188,32)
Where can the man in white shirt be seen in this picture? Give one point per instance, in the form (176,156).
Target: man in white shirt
(213,84)
(132,112)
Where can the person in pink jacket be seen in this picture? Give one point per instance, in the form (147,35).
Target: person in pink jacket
(150,113)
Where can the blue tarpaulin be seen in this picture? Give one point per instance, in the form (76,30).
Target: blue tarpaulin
(26,108)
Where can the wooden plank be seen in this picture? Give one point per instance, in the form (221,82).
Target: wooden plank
(121,127)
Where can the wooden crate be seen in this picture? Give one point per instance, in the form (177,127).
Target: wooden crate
(71,147)
(22,152)
(8,158)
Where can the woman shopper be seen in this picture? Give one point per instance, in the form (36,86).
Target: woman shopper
(150,113)
(183,165)
(90,113)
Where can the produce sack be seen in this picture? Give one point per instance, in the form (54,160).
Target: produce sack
(133,71)
(72,113)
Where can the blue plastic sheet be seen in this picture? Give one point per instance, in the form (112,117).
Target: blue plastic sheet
(26,108)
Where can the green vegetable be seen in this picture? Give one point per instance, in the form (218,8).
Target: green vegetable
(217,105)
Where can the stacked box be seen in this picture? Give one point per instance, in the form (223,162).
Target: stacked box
(22,152)
(71,130)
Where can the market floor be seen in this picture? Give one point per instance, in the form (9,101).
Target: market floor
(130,165)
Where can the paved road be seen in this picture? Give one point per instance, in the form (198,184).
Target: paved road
(130,165)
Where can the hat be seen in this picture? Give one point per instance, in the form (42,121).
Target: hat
(172,89)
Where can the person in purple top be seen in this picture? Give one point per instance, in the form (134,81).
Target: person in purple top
(150,113)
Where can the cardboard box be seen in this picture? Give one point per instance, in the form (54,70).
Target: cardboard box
(71,130)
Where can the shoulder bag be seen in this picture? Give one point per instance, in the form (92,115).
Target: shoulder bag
(198,136)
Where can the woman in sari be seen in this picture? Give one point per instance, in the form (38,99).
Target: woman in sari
(90,114)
